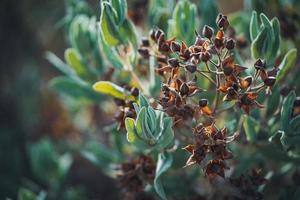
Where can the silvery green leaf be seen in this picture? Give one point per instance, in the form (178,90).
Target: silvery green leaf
(276,43)
(164,162)
(254,28)
(139,123)
(287,64)
(143,102)
(286,111)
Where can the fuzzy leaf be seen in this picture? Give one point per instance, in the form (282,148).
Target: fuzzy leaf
(276,43)
(111,89)
(164,162)
(251,128)
(254,28)
(286,111)
(258,45)
(287,63)
(121,8)
(295,124)
(129,124)
(73,60)
(143,102)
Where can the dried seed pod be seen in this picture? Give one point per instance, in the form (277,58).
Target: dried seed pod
(205,56)
(227,69)
(184,89)
(199,41)
(203,102)
(270,81)
(152,34)
(145,42)
(157,34)
(222,21)
(175,47)
(260,64)
(230,44)
(191,68)
(134,91)
(245,82)
(207,31)
(164,47)
(144,52)
(173,62)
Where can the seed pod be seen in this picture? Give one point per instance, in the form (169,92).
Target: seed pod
(222,21)
(227,70)
(144,52)
(231,91)
(230,44)
(245,82)
(173,62)
(245,100)
(191,68)
(270,81)
(184,89)
(164,47)
(219,43)
(175,47)
(152,34)
(203,102)
(260,64)
(157,34)
(199,41)
(205,56)
(145,42)
(129,113)
(134,91)
(207,31)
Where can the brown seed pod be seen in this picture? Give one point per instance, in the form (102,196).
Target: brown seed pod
(175,47)
(203,102)
(191,68)
(173,62)
(270,81)
(184,89)
(260,64)
(245,82)
(134,91)
(222,21)
(207,31)
(230,44)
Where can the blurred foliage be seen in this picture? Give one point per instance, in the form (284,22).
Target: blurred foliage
(102,57)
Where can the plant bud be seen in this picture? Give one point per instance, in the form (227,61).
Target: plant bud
(175,47)
(260,64)
(230,44)
(191,68)
(203,102)
(270,81)
(173,62)
(184,89)
(207,31)
(134,91)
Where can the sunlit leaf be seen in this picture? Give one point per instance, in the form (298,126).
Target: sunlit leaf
(111,89)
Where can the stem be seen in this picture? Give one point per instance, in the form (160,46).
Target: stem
(206,76)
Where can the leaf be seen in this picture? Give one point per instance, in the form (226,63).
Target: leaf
(254,28)
(251,128)
(25,194)
(74,61)
(59,64)
(74,88)
(258,45)
(276,43)
(273,100)
(295,124)
(143,102)
(109,29)
(164,162)
(286,111)
(167,135)
(111,89)
(287,64)
(130,127)
(121,8)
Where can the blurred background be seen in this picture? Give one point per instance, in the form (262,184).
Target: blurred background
(41,142)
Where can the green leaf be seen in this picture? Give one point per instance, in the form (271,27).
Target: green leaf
(130,127)
(273,100)
(287,64)
(59,64)
(111,89)
(258,45)
(276,43)
(295,124)
(109,28)
(143,102)
(254,28)
(74,88)
(286,111)
(25,194)
(167,135)
(73,59)
(164,162)
(251,127)
(121,8)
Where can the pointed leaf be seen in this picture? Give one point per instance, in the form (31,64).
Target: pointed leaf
(254,28)
(286,111)
(287,64)
(109,88)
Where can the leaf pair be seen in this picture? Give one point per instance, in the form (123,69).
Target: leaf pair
(151,129)
(265,37)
